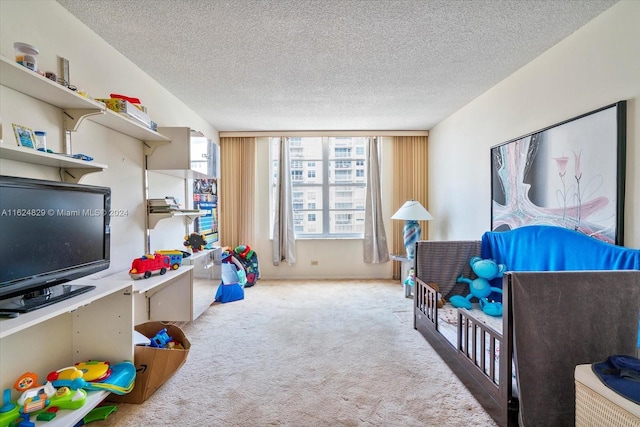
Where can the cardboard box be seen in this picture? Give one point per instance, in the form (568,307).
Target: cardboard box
(128,109)
(154,366)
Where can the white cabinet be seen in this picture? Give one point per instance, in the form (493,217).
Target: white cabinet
(207,275)
(189,155)
(97,325)
(175,296)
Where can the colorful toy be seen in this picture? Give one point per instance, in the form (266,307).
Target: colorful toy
(161,339)
(27,385)
(485,269)
(118,378)
(249,260)
(410,280)
(149,264)
(440,301)
(100,413)
(175,257)
(195,241)
(34,398)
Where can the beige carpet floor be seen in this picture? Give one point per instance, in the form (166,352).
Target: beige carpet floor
(309,353)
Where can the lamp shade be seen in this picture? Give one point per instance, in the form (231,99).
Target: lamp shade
(412,210)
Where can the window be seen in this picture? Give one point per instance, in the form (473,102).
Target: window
(328,177)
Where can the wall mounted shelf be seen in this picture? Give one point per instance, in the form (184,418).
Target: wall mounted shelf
(190,215)
(75,107)
(72,169)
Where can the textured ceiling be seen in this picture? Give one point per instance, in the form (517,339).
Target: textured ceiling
(331,64)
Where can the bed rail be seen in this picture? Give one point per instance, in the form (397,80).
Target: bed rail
(426,302)
(480,344)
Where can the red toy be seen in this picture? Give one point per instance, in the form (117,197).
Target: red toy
(147,265)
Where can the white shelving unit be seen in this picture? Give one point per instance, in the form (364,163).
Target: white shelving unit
(165,297)
(189,156)
(101,323)
(75,107)
(207,276)
(97,325)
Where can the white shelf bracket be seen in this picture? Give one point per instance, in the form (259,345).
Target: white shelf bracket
(73,117)
(150,146)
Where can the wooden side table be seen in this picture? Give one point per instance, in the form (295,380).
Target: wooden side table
(405,266)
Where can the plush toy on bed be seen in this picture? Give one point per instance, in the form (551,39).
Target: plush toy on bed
(485,269)
(440,301)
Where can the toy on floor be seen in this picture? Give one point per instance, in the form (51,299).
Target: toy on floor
(485,269)
(249,260)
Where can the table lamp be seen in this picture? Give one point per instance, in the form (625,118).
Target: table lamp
(412,212)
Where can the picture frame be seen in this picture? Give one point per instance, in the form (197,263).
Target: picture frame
(571,174)
(24,136)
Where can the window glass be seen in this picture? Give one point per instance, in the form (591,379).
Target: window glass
(328,176)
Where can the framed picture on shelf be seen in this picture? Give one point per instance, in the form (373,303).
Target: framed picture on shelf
(24,136)
(570,175)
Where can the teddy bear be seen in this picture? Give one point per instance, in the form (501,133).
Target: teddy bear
(485,269)
(440,301)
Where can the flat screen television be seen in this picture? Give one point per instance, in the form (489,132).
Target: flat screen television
(50,234)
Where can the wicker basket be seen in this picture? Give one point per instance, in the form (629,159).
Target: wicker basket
(595,410)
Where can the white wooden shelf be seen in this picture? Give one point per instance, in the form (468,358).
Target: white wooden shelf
(23,80)
(122,124)
(75,107)
(182,173)
(189,215)
(26,320)
(73,169)
(68,417)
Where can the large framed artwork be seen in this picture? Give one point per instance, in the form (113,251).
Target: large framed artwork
(571,175)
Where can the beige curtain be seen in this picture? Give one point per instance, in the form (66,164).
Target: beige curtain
(284,236)
(409,182)
(375,239)
(236,189)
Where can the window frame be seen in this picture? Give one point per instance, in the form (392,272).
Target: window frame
(323,167)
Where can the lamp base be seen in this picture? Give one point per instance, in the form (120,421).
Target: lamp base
(411,234)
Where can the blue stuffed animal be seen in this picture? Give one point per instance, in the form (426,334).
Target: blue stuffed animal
(485,269)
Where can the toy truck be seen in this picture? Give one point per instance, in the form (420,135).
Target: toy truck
(175,257)
(149,264)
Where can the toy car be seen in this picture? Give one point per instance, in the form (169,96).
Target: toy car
(149,264)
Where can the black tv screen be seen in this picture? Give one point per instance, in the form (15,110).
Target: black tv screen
(51,233)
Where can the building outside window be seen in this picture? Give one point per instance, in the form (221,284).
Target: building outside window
(328,176)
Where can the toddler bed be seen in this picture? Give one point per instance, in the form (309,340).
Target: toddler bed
(563,306)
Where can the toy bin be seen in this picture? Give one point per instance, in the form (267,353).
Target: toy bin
(154,365)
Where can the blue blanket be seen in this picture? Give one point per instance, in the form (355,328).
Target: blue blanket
(548,248)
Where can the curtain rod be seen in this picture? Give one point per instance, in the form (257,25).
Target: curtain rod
(224,134)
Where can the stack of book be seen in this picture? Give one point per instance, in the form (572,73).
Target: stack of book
(165,205)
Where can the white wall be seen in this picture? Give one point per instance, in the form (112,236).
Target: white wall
(99,69)
(596,66)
